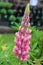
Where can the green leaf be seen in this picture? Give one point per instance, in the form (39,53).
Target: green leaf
(34,46)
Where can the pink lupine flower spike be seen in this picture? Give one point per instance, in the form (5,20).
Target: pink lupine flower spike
(22,42)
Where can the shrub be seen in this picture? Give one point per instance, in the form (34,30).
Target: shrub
(12,18)
(10,11)
(3,4)
(3,11)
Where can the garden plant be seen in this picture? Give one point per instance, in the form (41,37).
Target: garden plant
(34,45)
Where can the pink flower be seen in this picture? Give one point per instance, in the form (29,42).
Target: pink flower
(21,29)
(27,37)
(28,30)
(24,57)
(18,34)
(25,43)
(22,42)
(15,49)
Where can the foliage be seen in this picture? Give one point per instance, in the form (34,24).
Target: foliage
(3,11)
(8,5)
(36,52)
(36,49)
(3,4)
(12,18)
(20,18)
(10,11)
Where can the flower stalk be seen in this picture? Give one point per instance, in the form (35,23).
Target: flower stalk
(22,39)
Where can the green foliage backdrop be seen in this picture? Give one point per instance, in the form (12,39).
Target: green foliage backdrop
(36,49)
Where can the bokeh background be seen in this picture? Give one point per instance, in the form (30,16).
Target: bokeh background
(11,13)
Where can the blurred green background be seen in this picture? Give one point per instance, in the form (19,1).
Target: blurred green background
(36,49)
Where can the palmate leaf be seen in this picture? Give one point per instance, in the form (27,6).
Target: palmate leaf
(37,62)
(17,25)
(15,28)
(30,62)
(34,46)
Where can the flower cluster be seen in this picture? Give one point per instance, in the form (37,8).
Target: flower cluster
(21,40)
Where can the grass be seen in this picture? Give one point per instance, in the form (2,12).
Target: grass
(36,49)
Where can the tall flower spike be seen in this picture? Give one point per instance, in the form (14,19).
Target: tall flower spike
(21,40)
